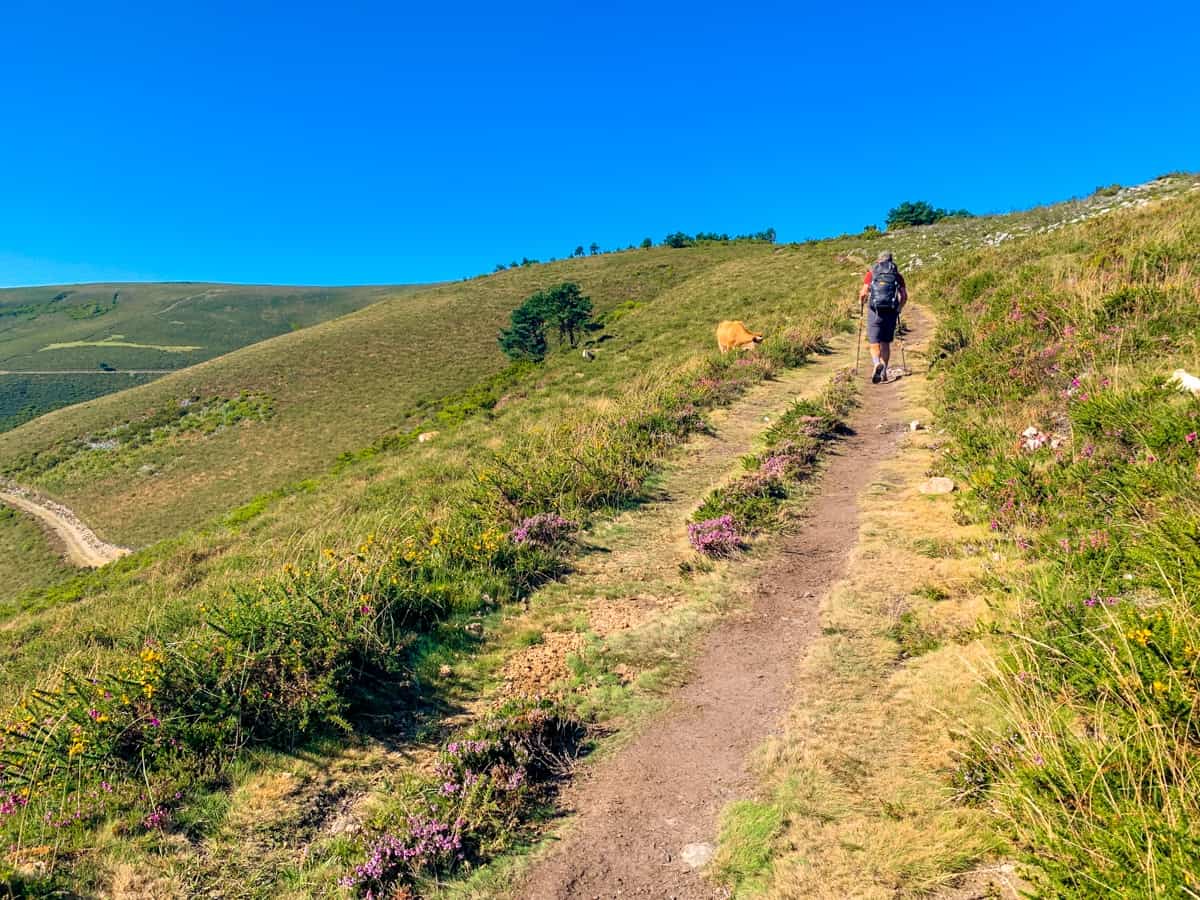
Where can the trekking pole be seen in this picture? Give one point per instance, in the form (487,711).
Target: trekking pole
(858,353)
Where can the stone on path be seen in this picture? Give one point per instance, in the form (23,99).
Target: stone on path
(697,856)
(937,485)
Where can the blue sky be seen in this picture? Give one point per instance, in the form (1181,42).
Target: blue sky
(347,143)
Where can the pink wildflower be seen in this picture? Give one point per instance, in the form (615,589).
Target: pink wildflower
(715,537)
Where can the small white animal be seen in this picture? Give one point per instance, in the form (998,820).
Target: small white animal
(1185,381)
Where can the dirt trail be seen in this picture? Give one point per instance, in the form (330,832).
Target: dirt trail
(637,811)
(87,371)
(81,546)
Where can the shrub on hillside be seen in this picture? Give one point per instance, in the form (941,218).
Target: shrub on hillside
(543,530)
(562,307)
(918,212)
(486,784)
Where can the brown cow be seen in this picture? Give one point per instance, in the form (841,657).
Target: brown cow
(734,336)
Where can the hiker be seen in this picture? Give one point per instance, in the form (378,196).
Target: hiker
(884,293)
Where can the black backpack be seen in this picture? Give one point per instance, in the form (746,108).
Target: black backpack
(885,286)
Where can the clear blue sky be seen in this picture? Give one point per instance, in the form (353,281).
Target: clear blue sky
(352,142)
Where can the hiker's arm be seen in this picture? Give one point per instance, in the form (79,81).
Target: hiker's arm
(903,291)
(863,292)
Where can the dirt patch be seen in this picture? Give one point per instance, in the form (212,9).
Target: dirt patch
(636,813)
(607,617)
(537,669)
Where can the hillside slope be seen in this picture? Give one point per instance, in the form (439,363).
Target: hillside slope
(330,389)
(63,344)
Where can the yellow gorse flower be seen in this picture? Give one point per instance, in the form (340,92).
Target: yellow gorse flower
(150,656)
(1140,636)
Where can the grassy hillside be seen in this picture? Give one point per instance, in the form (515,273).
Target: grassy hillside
(95,332)
(332,388)
(775,287)
(30,560)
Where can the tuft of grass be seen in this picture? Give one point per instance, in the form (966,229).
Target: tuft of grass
(748,832)
(933,593)
(912,635)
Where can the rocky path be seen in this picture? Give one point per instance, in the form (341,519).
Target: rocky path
(646,818)
(81,546)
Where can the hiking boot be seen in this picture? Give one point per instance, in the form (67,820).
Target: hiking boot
(877,375)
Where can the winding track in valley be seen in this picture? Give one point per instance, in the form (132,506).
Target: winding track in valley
(81,546)
(87,371)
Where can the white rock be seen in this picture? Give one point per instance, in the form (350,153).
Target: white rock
(696,856)
(937,485)
(426,436)
(1185,381)
(915,425)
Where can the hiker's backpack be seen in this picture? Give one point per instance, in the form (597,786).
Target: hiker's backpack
(885,286)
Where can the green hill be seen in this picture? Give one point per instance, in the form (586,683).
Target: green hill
(333,388)
(93,335)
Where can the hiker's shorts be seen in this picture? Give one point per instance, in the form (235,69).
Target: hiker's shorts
(881,325)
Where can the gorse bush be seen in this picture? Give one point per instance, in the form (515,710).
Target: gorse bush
(1081,455)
